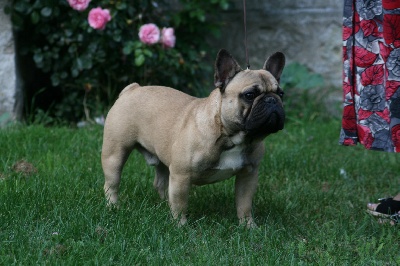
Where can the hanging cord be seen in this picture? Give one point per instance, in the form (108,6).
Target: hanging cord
(245,34)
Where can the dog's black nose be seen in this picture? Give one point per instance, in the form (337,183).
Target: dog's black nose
(270,100)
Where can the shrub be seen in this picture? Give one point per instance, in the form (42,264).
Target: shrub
(304,93)
(89,50)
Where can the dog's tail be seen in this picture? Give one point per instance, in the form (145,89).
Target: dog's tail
(129,87)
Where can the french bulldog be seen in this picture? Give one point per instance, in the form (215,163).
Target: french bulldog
(197,141)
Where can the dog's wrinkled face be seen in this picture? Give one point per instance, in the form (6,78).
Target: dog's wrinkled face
(252,99)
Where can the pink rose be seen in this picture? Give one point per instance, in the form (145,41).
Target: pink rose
(79,5)
(149,33)
(98,18)
(168,37)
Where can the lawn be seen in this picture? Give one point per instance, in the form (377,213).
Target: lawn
(310,205)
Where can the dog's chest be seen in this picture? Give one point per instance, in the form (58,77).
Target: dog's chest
(230,162)
(231,159)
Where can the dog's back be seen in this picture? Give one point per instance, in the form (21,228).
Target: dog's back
(140,110)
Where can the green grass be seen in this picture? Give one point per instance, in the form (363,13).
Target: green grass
(307,212)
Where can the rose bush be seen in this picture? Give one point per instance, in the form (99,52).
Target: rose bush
(75,51)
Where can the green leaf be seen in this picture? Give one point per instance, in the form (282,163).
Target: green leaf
(80,37)
(56,11)
(199,14)
(38,58)
(46,11)
(35,17)
(18,21)
(177,20)
(93,47)
(298,76)
(117,38)
(72,49)
(21,6)
(74,72)
(224,5)
(127,50)
(86,62)
(147,52)
(139,60)
(138,45)
(79,63)
(64,75)
(68,32)
(7,10)
(138,52)
(55,80)
(121,6)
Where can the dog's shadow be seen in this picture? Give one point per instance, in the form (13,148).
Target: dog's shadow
(217,202)
(212,201)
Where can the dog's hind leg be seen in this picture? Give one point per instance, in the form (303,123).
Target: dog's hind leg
(161,180)
(113,159)
(162,172)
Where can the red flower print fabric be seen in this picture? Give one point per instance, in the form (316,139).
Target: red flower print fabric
(371,74)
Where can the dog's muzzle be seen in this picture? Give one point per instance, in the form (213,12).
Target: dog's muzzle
(267,116)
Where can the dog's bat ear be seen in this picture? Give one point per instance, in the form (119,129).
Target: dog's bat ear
(274,64)
(226,68)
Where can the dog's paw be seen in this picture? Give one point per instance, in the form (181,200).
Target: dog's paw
(182,222)
(112,206)
(248,222)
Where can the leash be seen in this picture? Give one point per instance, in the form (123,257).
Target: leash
(245,34)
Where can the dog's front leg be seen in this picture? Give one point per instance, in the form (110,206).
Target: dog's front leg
(245,188)
(178,196)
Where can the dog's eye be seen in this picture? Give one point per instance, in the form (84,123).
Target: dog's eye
(280,93)
(249,96)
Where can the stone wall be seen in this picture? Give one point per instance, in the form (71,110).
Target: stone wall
(10,98)
(307,31)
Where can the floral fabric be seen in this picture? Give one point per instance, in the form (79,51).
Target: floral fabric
(371,74)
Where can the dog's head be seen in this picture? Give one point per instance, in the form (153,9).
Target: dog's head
(251,99)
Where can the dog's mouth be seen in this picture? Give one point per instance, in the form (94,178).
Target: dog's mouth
(276,121)
(266,117)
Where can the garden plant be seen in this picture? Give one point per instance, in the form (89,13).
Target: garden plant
(89,50)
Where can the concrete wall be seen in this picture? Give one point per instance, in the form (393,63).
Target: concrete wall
(10,98)
(307,31)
